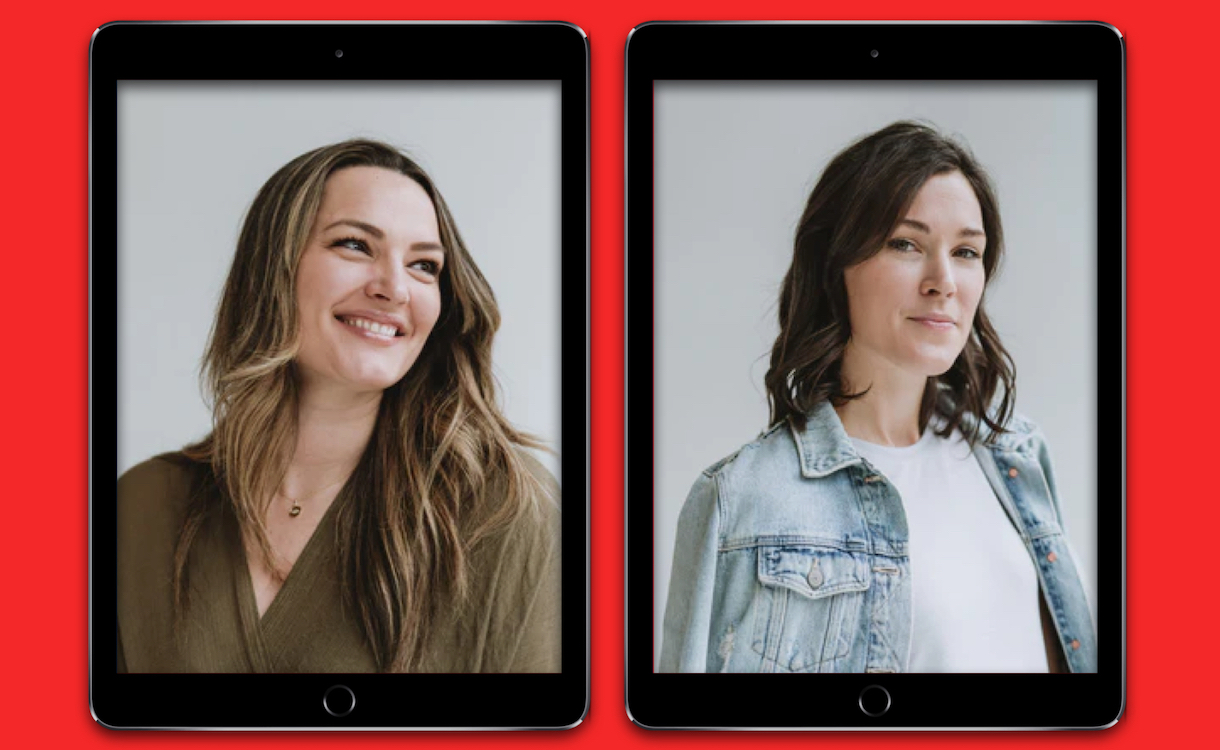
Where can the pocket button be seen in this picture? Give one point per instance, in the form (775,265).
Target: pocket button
(815,577)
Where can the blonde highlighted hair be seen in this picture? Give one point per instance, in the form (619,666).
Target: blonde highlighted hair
(443,467)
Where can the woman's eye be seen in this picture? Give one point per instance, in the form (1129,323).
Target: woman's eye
(901,245)
(352,243)
(969,253)
(430,267)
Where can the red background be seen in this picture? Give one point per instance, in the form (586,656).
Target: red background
(1172,267)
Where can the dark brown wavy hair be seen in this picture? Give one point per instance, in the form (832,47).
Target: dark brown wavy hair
(856,205)
(443,467)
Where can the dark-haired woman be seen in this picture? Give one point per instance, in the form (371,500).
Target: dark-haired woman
(361,504)
(897,516)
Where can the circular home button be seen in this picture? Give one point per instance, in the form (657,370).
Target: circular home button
(339,701)
(874,700)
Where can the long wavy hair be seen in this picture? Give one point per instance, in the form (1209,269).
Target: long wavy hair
(856,205)
(442,468)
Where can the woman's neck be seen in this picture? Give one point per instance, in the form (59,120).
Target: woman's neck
(888,414)
(332,432)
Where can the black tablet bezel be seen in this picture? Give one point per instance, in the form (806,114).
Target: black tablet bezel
(841,52)
(305,51)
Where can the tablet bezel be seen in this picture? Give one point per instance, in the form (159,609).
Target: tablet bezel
(286,52)
(799,51)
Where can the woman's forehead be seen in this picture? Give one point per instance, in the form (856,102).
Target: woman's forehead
(381,198)
(945,203)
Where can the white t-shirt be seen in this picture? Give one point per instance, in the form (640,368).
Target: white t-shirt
(974,587)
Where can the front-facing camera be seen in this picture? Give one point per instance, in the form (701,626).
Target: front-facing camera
(339,53)
(874,53)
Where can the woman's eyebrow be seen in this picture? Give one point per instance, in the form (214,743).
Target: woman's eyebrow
(422,246)
(920,226)
(362,226)
(419,247)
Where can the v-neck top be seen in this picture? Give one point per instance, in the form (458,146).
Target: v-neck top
(509,624)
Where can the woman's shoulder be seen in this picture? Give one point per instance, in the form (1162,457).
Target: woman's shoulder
(539,523)
(517,565)
(782,484)
(547,483)
(773,449)
(1019,433)
(162,472)
(508,620)
(159,488)
(531,527)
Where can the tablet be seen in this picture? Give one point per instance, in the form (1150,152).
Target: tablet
(875,387)
(339,368)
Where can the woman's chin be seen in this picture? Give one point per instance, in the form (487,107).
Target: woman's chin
(376,385)
(934,364)
(369,382)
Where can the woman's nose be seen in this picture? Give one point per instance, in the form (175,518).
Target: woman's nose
(390,282)
(938,277)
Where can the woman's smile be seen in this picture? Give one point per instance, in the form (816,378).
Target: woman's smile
(365,329)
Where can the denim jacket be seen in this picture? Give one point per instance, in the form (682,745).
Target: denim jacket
(792,556)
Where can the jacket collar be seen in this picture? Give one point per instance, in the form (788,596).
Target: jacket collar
(822,443)
(825,447)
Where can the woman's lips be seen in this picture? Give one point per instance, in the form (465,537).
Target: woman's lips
(935,324)
(367,335)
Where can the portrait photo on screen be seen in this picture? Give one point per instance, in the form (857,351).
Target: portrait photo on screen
(875,420)
(339,376)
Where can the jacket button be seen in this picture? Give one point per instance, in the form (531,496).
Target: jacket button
(1052,557)
(1075,645)
(815,576)
(1012,473)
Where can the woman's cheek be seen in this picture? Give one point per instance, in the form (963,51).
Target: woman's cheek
(432,305)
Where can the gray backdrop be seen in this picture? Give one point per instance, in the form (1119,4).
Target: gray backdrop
(192,156)
(734,165)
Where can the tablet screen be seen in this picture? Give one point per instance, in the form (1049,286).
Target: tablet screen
(192,158)
(735,163)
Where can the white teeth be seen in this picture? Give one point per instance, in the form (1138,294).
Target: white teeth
(368,325)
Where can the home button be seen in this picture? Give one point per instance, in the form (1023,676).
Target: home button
(874,700)
(339,701)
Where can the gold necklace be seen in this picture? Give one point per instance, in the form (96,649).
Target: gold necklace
(295,510)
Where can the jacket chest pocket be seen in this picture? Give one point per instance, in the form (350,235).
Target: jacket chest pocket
(808,608)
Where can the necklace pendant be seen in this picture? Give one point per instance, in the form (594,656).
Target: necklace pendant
(296,510)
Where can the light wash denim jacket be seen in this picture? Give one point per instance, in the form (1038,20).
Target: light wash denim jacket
(792,556)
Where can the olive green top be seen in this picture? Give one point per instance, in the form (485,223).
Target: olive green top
(509,624)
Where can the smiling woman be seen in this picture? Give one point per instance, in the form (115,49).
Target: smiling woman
(897,515)
(361,503)
(369,275)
